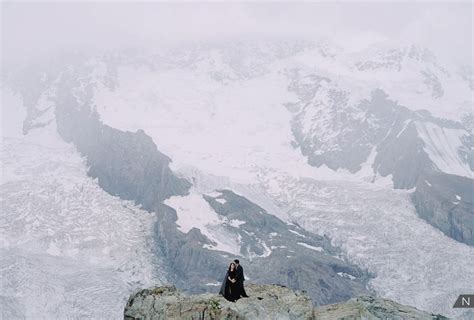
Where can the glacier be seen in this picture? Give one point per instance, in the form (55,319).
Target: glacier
(72,249)
(225,130)
(69,249)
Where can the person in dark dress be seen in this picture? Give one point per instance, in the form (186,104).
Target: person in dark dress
(229,288)
(240,280)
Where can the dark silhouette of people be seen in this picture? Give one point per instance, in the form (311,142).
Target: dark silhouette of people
(229,287)
(240,279)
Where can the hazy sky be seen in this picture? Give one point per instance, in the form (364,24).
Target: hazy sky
(30,29)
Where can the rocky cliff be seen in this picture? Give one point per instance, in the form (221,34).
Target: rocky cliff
(265,302)
(446,202)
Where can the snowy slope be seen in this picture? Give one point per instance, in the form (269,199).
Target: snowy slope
(195,212)
(378,228)
(442,146)
(229,111)
(232,139)
(411,75)
(69,249)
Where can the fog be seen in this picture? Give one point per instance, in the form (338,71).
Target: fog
(345,165)
(34,30)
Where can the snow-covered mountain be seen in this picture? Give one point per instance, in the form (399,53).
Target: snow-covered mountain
(299,157)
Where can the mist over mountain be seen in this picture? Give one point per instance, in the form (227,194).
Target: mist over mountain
(339,167)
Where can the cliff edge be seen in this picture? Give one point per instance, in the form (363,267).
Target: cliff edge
(265,302)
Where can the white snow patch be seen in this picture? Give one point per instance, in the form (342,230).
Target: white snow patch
(442,146)
(458,197)
(346,275)
(428,183)
(213,284)
(220,200)
(311,247)
(278,247)
(297,233)
(405,124)
(267,250)
(367,173)
(235,222)
(195,212)
(214,194)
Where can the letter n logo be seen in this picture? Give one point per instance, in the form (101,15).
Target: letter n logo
(464,301)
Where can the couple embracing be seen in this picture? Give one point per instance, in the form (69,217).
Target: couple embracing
(233,285)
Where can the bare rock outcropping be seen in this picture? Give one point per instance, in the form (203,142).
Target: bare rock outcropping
(367,307)
(265,302)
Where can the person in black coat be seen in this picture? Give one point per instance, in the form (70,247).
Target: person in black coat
(229,287)
(240,279)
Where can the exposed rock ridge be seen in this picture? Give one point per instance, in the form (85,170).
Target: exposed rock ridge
(265,302)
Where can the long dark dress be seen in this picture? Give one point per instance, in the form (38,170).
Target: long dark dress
(228,289)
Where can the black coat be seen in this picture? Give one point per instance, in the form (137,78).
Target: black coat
(240,282)
(240,275)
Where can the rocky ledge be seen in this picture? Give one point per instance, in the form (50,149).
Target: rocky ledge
(265,302)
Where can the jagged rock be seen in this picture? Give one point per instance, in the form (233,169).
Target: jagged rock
(265,302)
(367,307)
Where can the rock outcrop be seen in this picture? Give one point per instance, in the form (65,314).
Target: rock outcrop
(446,201)
(265,302)
(126,164)
(367,307)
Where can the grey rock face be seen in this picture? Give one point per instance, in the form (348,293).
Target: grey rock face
(323,108)
(265,302)
(353,131)
(467,74)
(329,131)
(126,164)
(298,259)
(367,307)
(467,149)
(432,81)
(271,251)
(391,59)
(446,202)
(401,154)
